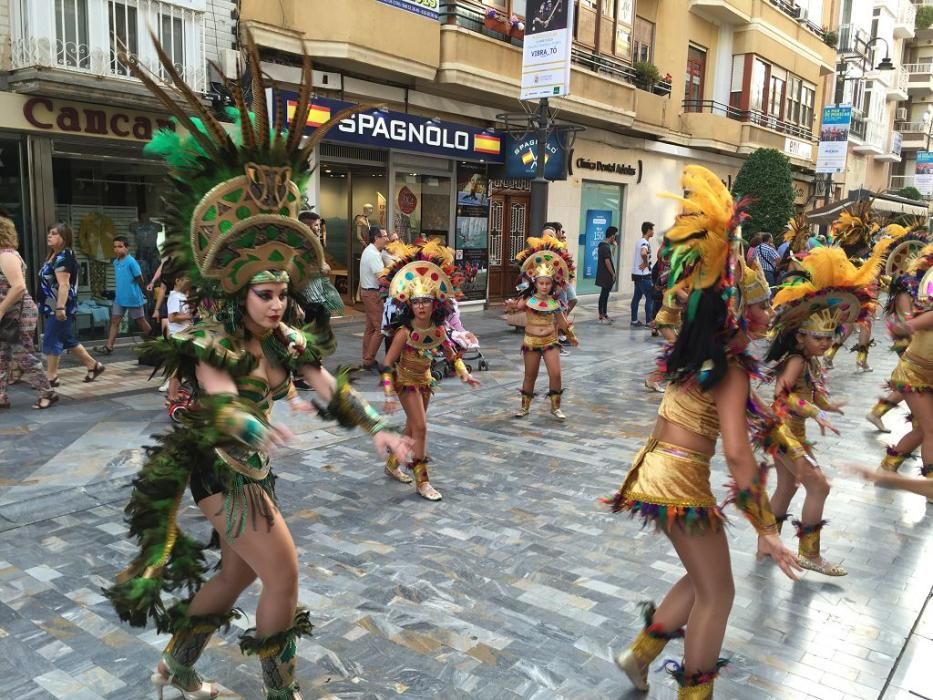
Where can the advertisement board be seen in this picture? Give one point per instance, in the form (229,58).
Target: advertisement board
(521,158)
(425,8)
(923,177)
(546,50)
(834,139)
(472,234)
(597,221)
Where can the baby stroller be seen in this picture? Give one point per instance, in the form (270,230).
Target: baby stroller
(470,352)
(183,402)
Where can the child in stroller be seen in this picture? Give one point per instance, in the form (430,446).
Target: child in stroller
(466,343)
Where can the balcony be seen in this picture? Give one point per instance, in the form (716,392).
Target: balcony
(362,36)
(874,138)
(75,55)
(853,40)
(721,127)
(897,90)
(904,22)
(899,182)
(893,153)
(920,81)
(916,135)
(722,11)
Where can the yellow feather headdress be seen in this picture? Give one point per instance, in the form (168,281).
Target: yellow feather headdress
(421,271)
(546,257)
(856,225)
(797,233)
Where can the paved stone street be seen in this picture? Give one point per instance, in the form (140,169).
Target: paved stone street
(517,585)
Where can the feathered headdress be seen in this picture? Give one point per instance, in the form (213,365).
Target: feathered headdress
(797,233)
(231,218)
(755,287)
(422,271)
(856,225)
(828,281)
(546,257)
(705,241)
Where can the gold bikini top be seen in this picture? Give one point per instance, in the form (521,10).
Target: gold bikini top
(691,408)
(541,312)
(921,346)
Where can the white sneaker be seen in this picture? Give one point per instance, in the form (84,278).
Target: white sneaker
(164,386)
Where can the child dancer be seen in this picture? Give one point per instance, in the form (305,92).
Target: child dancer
(419,281)
(546,268)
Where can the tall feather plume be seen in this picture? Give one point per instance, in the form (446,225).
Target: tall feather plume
(260,110)
(297,128)
(216,131)
(321,132)
(248,134)
(175,109)
(280,107)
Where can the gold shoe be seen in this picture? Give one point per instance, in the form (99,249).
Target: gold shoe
(526,405)
(637,674)
(554,397)
(821,566)
(808,551)
(877,422)
(392,469)
(425,490)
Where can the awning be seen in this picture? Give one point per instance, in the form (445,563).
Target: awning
(888,203)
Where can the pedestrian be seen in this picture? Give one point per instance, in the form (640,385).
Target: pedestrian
(371,268)
(58,303)
(320,290)
(19,311)
(751,254)
(768,258)
(130,298)
(606,272)
(162,283)
(641,276)
(180,317)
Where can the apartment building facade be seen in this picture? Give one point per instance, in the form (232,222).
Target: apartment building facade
(73,123)
(732,76)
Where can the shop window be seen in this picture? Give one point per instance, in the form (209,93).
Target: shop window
(172,36)
(422,206)
(600,208)
(71,44)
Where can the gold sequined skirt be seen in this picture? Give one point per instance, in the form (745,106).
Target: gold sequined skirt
(667,318)
(913,375)
(534,343)
(798,427)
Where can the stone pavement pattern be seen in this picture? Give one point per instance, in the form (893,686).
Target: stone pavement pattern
(517,585)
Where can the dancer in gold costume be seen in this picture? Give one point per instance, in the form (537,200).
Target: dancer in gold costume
(669,482)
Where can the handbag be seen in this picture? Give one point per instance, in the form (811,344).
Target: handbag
(9,326)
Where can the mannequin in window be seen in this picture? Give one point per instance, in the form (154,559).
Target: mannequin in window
(362,223)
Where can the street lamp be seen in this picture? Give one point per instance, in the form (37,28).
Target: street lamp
(886,62)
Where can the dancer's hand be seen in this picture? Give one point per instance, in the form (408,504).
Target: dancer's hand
(874,476)
(771,546)
(822,421)
(301,406)
(471,380)
(401,446)
(277,436)
(836,407)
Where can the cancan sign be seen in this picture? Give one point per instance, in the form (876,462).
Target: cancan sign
(546,53)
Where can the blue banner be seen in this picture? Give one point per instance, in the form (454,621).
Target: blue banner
(425,8)
(384,129)
(597,221)
(521,158)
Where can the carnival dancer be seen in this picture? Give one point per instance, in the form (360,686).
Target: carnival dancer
(854,232)
(902,289)
(668,484)
(232,229)
(420,285)
(797,238)
(913,376)
(828,293)
(546,267)
(667,320)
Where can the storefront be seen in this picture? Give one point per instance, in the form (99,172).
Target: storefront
(82,164)
(421,178)
(618,185)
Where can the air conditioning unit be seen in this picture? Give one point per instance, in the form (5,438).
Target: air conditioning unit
(900,114)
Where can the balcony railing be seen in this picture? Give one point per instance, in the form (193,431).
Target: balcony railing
(750,116)
(853,39)
(907,14)
(899,80)
(89,37)
(859,126)
(919,68)
(911,127)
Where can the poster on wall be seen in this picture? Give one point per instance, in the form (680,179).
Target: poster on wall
(546,49)
(407,209)
(472,232)
(425,8)
(597,221)
(834,139)
(923,178)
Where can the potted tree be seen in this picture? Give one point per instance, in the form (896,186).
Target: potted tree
(647,75)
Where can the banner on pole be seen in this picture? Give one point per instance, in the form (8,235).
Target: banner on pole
(834,139)
(923,177)
(546,52)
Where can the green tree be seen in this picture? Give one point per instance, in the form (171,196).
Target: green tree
(909,192)
(924,17)
(765,178)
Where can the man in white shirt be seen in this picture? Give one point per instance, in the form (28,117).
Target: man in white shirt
(371,267)
(641,275)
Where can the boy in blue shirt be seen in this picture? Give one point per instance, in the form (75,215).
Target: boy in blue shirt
(130,297)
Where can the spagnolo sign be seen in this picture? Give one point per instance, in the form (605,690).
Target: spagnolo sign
(380,125)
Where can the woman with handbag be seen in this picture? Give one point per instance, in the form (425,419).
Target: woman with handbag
(58,286)
(18,318)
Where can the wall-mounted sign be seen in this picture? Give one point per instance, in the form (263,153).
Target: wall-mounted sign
(385,129)
(521,158)
(425,8)
(798,149)
(923,175)
(583,165)
(897,141)
(46,114)
(834,139)
(597,221)
(546,49)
